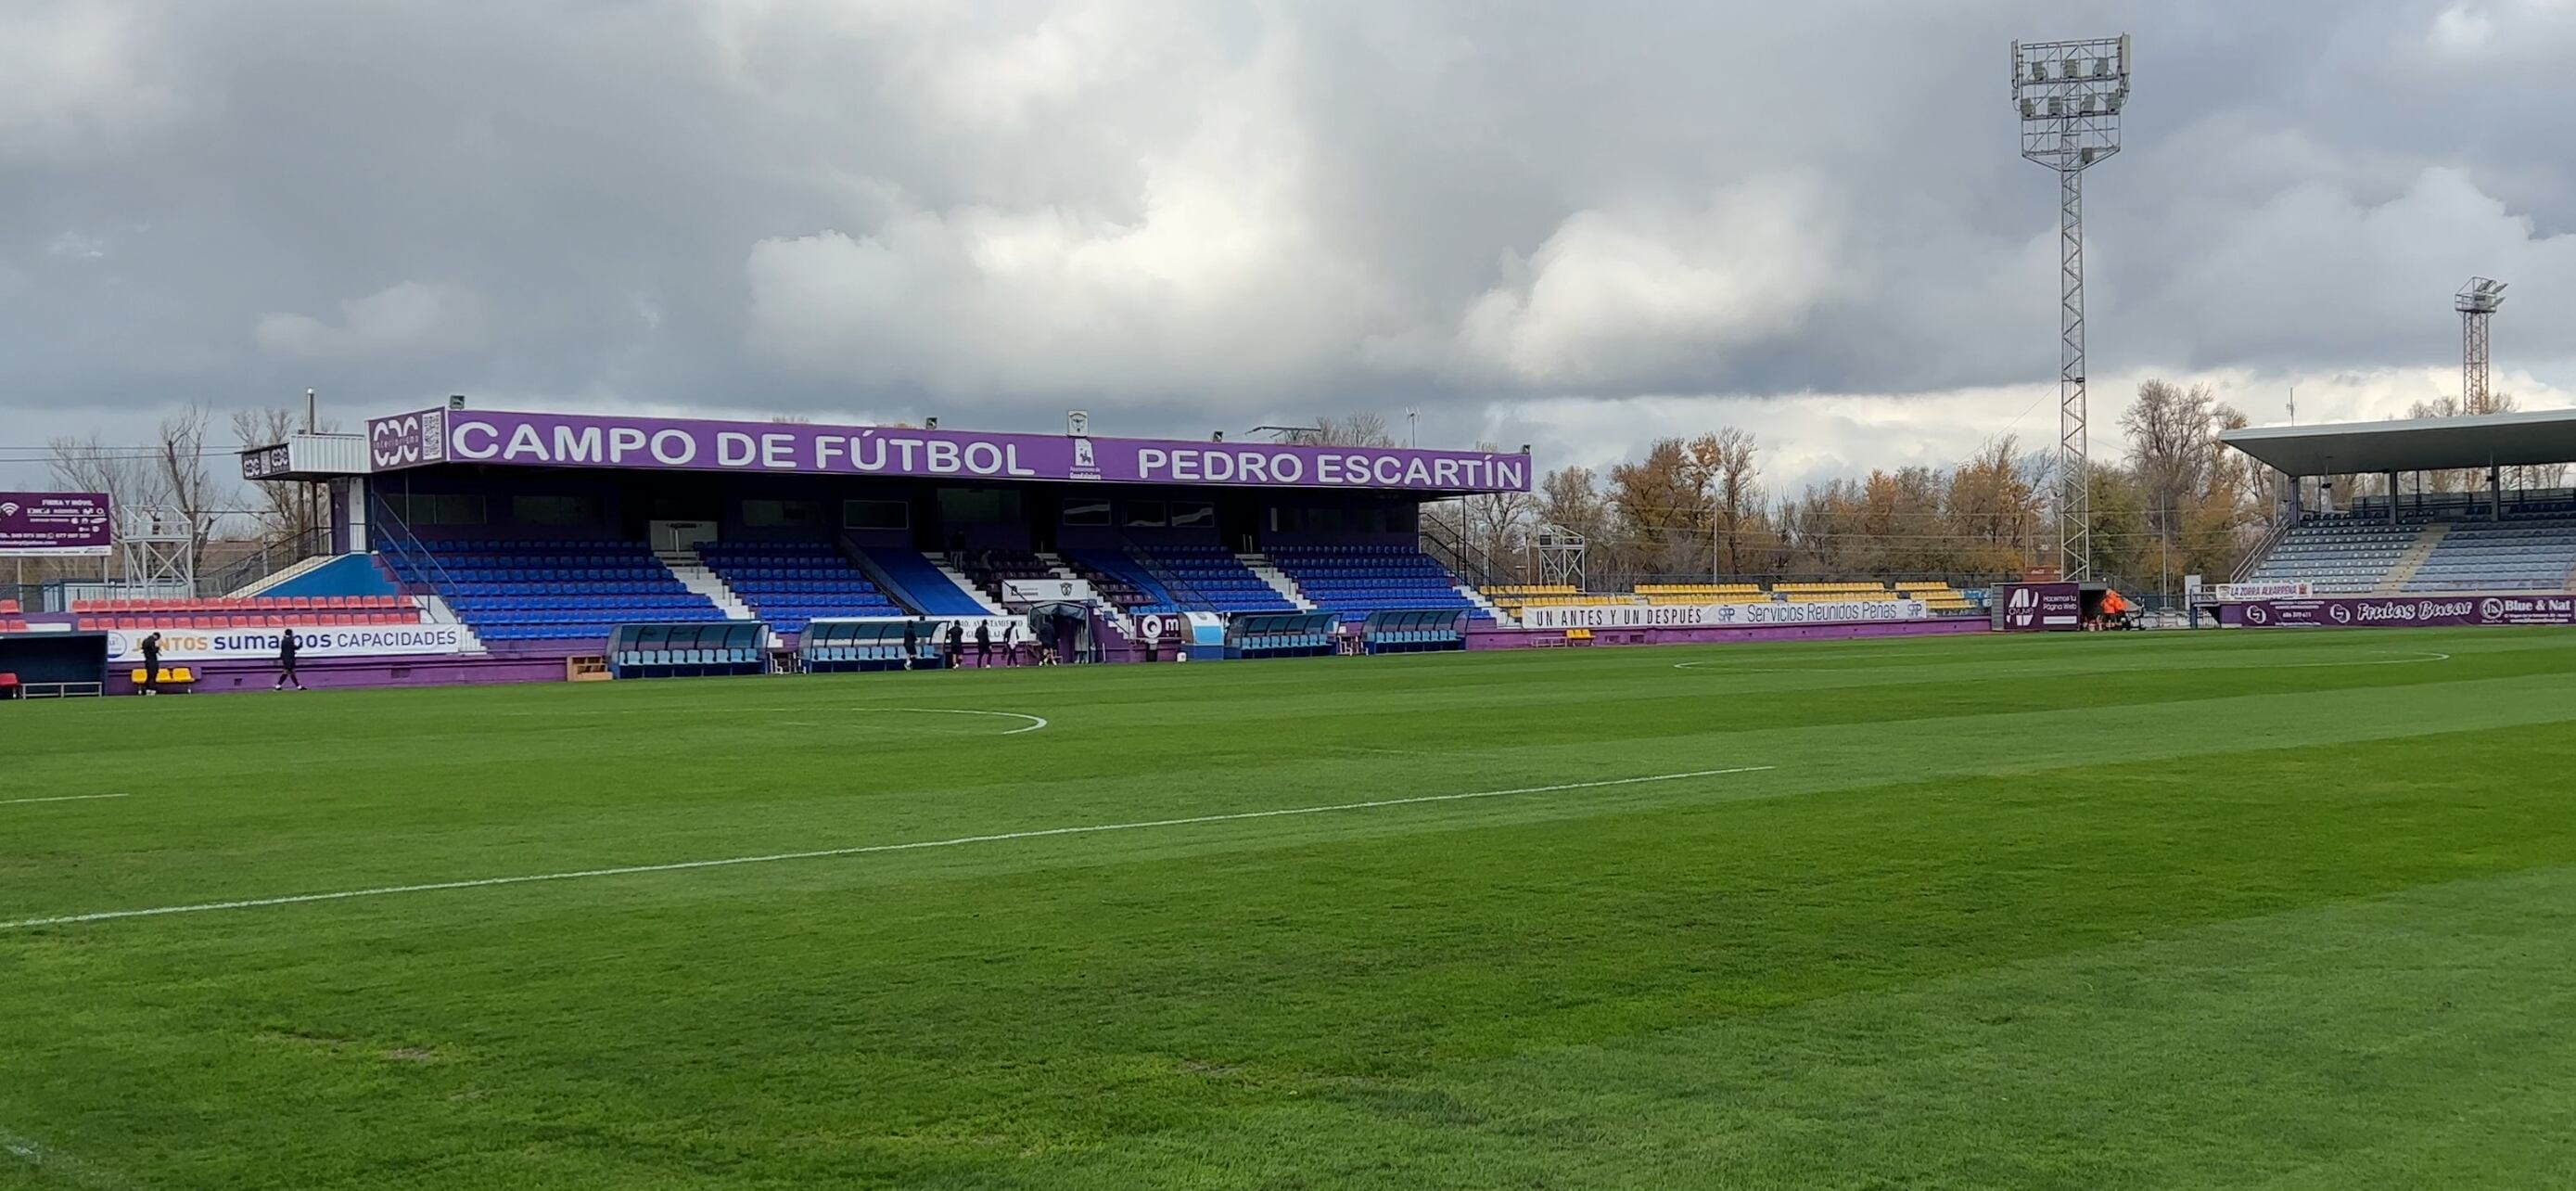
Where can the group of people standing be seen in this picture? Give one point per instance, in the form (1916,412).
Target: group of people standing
(952,649)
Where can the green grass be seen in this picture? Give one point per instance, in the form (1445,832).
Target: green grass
(2276,910)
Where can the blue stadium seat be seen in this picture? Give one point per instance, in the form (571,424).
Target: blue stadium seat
(553,590)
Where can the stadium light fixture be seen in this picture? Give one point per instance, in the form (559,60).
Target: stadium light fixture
(2477,303)
(2070,95)
(1218,436)
(930,423)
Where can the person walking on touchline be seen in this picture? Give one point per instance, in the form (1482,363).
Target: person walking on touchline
(152,664)
(286,647)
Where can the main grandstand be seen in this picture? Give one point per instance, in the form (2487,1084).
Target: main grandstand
(519,543)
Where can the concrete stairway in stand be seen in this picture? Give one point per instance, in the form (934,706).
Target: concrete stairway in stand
(1278,580)
(1478,599)
(2426,542)
(694,575)
(964,584)
(1109,611)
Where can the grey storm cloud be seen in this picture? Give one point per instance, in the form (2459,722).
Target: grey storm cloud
(1221,211)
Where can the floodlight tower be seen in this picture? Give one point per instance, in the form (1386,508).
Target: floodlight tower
(2070,94)
(2477,302)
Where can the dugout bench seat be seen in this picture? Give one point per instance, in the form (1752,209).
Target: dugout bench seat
(172,678)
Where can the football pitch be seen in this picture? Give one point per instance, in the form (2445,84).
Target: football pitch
(2126,910)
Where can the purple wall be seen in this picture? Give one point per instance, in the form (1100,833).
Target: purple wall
(2403,612)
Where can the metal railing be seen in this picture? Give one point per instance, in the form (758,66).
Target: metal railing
(268,559)
(391,530)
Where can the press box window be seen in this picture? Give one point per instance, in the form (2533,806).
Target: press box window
(876,514)
(782,514)
(555,510)
(430,508)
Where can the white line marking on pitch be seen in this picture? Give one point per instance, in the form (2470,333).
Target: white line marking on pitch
(1035,721)
(864,850)
(60,798)
(48,1160)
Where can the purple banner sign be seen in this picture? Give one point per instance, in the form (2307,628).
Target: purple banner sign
(570,440)
(408,440)
(33,523)
(2042,607)
(2402,612)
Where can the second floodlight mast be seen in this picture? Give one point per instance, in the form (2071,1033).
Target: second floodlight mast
(2477,302)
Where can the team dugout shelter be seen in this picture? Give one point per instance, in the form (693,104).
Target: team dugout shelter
(550,534)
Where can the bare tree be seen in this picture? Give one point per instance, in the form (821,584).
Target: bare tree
(169,475)
(1491,530)
(2472,480)
(1729,460)
(1350,430)
(189,487)
(2170,443)
(128,475)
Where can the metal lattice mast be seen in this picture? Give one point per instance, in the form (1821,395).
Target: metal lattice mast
(2477,303)
(2070,94)
(2074,437)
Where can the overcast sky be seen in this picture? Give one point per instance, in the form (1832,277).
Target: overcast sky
(1574,225)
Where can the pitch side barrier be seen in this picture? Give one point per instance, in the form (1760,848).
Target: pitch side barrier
(1416,631)
(687,650)
(1280,634)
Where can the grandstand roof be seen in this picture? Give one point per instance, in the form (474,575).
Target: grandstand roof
(2418,444)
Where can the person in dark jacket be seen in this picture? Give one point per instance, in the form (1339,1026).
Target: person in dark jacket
(152,664)
(286,647)
(956,644)
(911,642)
(984,644)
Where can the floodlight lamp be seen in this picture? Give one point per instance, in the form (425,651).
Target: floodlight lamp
(930,423)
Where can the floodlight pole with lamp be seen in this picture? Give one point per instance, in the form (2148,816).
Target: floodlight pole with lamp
(2070,95)
(2477,302)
